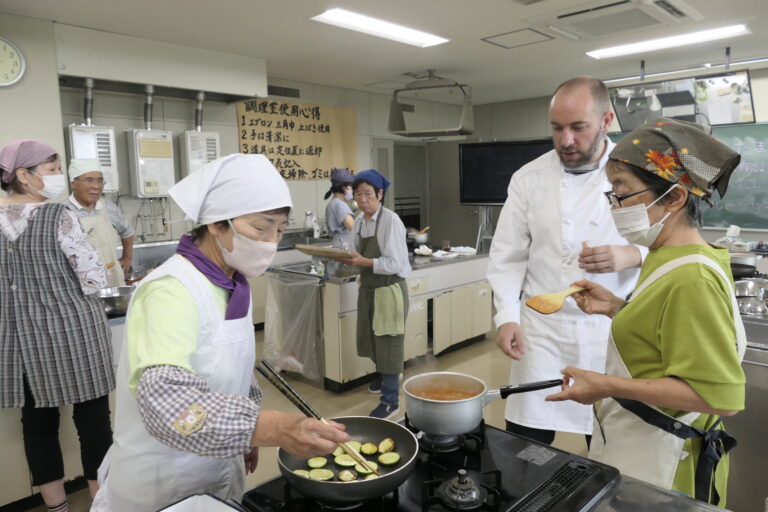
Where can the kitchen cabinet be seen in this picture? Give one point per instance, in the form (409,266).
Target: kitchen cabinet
(416,331)
(353,365)
(460,314)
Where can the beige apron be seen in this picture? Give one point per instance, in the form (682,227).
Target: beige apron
(103,237)
(647,451)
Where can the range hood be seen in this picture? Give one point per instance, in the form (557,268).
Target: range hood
(466,124)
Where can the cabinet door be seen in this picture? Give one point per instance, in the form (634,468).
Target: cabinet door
(352,366)
(481,309)
(441,322)
(461,314)
(416,329)
(13,463)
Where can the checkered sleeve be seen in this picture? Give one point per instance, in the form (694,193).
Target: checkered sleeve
(179,410)
(255,392)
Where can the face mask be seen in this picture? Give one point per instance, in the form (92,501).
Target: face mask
(633,223)
(249,257)
(53,185)
(348,195)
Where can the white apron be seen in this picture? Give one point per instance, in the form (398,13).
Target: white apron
(103,237)
(141,474)
(639,449)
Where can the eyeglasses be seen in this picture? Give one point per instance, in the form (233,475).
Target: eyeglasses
(616,199)
(91,181)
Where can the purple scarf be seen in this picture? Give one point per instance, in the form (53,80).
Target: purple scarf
(240,292)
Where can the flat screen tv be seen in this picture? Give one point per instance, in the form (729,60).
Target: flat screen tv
(486,167)
(710,100)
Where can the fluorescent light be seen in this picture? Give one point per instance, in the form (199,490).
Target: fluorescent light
(379,28)
(670,42)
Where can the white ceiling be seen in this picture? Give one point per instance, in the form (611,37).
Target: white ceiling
(297,48)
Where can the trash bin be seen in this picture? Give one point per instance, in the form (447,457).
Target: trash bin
(201,503)
(293,324)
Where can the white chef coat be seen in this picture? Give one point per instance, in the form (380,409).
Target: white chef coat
(547,215)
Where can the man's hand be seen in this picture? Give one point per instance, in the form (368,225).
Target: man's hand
(510,340)
(357,260)
(609,258)
(587,388)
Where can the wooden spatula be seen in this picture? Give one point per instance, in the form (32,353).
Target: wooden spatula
(548,303)
(423,230)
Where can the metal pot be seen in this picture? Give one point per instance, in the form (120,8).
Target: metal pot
(116,299)
(756,287)
(454,417)
(744,258)
(363,429)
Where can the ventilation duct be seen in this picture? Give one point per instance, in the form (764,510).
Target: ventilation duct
(596,19)
(397,123)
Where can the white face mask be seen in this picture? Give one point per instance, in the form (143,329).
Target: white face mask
(53,185)
(348,194)
(249,257)
(634,225)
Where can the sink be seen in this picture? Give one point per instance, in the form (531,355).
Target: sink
(334,270)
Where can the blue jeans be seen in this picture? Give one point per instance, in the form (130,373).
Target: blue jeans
(390,388)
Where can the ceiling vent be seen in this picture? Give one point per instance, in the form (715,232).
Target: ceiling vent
(527,2)
(284,92)
(596,19)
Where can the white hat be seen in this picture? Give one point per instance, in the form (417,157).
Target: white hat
(231,186)
(80,166)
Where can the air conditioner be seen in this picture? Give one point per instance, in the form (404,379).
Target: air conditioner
(150,154)
(96,142)
(197,149)
(601,18)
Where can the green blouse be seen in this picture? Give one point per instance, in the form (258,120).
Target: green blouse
(682,326)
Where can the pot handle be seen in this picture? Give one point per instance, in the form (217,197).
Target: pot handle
(531,386)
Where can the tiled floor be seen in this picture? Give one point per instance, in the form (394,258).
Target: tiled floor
(482,359)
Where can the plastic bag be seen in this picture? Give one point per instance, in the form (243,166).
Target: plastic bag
(293,325)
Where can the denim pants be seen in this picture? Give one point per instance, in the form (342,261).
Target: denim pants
(390,388)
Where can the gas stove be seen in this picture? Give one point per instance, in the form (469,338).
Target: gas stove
(486,470)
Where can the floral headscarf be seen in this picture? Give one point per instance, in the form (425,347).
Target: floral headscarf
(679,152)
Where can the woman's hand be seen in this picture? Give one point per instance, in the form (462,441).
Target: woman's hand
(587,388)
(297,434)
(596,299)
(251,460)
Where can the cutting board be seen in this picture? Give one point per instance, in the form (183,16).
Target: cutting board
(323,252)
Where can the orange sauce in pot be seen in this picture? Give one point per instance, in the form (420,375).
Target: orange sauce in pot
(443,394)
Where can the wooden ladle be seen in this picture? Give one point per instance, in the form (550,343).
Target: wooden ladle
(423,230)
(548,303)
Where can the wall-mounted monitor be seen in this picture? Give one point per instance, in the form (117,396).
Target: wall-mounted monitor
(713,100)
(486,167)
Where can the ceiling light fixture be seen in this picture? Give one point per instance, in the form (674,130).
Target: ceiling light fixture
(670,42)
(379,28)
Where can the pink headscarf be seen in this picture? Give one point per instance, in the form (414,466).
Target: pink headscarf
(23,153)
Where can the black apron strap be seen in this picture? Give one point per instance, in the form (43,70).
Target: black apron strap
(714,443)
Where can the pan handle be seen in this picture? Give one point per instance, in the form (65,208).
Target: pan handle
(505,391)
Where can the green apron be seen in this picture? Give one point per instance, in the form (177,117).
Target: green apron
(385,351)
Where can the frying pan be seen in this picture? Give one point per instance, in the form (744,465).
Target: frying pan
(363,429)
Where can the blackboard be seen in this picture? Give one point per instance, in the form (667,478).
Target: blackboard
(746,200)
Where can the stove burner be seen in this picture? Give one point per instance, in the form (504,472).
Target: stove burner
(440,444)
(461,492)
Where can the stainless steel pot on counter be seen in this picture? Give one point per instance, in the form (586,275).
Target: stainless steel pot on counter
(449,403)
(116,299)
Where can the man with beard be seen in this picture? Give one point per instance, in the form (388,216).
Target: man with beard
(556,228)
